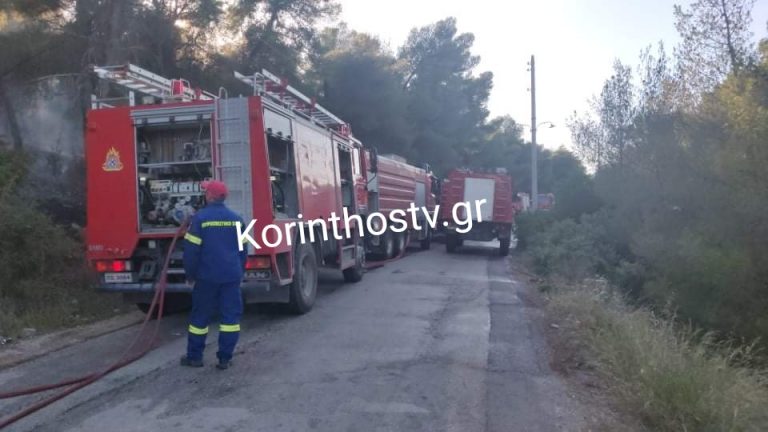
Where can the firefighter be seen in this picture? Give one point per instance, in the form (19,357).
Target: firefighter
(214,266)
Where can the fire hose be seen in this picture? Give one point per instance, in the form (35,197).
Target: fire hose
(158,301)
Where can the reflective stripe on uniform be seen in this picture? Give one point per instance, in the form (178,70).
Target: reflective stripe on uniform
(197,330)
(207,224)
(193,239)
(229,327)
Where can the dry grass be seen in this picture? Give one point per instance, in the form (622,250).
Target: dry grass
(65,306)
(673,379)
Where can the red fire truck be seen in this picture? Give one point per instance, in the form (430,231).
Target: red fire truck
(489,207)
(403,193)
(287,161)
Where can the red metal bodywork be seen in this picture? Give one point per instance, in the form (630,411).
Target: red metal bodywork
(397,187)
(453,192)
(111,224)
(112,229)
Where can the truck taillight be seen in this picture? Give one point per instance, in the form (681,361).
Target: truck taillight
(258,262)
(113,266)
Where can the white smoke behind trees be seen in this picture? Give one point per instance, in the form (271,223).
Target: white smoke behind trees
(49,116)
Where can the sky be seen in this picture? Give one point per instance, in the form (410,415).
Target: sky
(575,43)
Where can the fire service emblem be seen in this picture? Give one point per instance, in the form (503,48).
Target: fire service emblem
(112,162)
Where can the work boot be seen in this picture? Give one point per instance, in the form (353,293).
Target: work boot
(224,364)
(191,363)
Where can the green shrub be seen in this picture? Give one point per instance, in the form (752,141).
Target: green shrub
(714,284)
(44,280)
(572,250)
(673,379)
(630,277)
(12,171)
(529,224)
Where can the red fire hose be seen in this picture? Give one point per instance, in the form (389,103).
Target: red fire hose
(75,384)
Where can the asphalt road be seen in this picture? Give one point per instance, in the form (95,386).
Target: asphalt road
(432,342)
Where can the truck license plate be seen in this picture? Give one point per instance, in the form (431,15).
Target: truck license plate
(117,277)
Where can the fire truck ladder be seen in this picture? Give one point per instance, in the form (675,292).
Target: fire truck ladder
(141,80)
(267,84)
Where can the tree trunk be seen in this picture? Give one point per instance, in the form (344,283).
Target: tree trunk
(10,113)
(734,57)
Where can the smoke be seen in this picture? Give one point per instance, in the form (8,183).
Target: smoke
(52,119)
(49,116)
(11,22)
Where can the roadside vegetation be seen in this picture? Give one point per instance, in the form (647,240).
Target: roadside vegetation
(44,283)
(670,376)
(679,190)
(661,281)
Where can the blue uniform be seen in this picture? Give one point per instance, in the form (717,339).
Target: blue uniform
(212,260)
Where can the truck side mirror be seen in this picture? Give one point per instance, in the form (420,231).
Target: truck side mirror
(374,160)
(436,186)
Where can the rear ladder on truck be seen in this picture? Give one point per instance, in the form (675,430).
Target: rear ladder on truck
(135,79)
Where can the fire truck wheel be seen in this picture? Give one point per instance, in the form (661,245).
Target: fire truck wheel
(426,242)
(451,243)
(303,289)
(387,249)
(389,245)
(399,245)
(355,274)
(504,247)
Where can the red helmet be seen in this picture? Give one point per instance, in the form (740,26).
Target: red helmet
(215,189)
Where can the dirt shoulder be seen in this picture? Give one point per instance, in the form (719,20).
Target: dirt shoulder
(33,347)
(568,359)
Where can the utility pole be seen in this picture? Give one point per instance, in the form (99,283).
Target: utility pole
(534,148)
